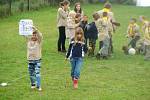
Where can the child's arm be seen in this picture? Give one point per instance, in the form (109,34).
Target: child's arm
(69,50)
(147,36)
(99,26)
(63,13)
(128,29)
(40,37)
(39,34)
(85,49)
(137,31)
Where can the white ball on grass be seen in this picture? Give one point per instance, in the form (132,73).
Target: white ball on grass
(132,51)
(3,84)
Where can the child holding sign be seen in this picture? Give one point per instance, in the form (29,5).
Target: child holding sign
(34,44)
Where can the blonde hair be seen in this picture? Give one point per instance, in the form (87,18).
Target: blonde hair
(72,14)
(78,31)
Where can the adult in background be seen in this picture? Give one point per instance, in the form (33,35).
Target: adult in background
(61,24)
(78,9)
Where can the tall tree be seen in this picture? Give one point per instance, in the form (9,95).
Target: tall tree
(28,7)
(10,5)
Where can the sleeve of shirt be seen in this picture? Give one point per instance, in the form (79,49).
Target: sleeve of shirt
(137,31)
(40,37)
(99,26)
(128,29)
(85,49)
(63,13)
(147,36)
(69,50)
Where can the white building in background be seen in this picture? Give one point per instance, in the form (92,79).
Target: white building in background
(143,3)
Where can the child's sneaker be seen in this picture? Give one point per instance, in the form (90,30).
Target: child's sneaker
(75,83)
(33,86)
(40,89)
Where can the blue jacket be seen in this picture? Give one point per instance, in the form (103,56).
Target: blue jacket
(76,50)
(91,31)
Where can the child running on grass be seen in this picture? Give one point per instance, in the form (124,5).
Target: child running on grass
(76,52)
(34,44)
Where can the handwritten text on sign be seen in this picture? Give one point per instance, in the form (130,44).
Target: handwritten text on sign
(25,27)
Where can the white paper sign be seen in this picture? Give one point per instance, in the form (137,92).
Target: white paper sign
(25,27)
(143,3)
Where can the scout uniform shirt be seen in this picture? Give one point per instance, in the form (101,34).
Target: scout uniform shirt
(34,48)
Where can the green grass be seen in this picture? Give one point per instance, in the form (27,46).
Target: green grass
(119,78)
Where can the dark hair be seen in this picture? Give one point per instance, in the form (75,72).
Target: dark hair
(107,5)
(78,15)
(134,19)
(34,32)
(66,2)
(96,16)
(105,14)
(75,9)
(61,4)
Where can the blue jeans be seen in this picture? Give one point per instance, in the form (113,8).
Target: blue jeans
(34,72)
(76,64)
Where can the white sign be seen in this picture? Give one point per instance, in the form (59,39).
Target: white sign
(143,3)
(25,27)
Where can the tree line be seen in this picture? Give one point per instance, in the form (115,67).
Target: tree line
(8,7)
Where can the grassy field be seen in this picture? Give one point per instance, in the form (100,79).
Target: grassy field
(121,77)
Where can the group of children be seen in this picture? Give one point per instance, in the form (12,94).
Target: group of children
(140,43)
(82,39)
(82,35)
(101,28)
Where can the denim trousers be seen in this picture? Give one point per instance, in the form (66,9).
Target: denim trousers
(34,72)
(76,64)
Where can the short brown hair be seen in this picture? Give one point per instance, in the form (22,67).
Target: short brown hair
(107,5)
(61,4)
(134,19)
(105,14)
(96,16)
(78,15)
(66,2)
